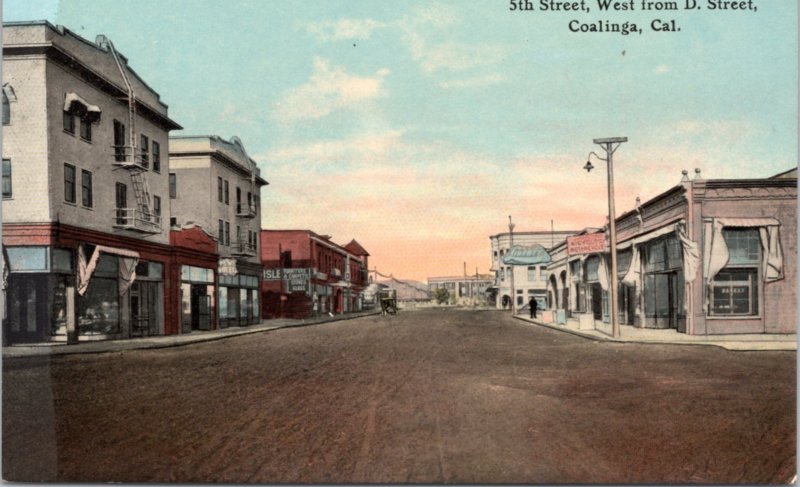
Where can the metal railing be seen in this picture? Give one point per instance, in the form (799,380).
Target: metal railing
(126,157)
(246,211)
(241,247)
(135,219)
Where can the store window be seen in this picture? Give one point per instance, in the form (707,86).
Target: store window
(734,290)
(98,308)
(592,266)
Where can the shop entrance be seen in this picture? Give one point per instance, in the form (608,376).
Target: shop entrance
(597,301)
(201,308)
(663,302)
(27,318)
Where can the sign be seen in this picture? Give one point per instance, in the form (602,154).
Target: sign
(227,267)
(294,280)
(586,244)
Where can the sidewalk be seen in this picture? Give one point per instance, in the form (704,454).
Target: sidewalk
(104,346)
(631,334)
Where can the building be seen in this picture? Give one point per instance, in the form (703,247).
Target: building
(216,185)
(463,289)
(306,274)
(85,190)
(714,256)
(527,267)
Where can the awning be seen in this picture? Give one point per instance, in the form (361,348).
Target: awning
(519,255)
(75,103)
(127,267)
(648,236)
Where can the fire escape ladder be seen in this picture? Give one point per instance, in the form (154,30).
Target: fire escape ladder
(142,192)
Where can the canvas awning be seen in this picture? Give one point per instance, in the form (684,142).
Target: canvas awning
(75,103)
(533,255)
(127,267)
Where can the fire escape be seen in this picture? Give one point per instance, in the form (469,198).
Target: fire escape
(139,218)
(246,210)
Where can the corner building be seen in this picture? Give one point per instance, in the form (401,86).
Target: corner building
(85,188)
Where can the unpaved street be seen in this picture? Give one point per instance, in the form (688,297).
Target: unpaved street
(426,396)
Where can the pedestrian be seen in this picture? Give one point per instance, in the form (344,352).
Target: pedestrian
(533,305)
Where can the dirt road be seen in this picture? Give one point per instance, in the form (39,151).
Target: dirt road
(431,396)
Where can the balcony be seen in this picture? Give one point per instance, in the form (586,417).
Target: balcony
(246,211)
(136,220)
(126,158)
(243,248)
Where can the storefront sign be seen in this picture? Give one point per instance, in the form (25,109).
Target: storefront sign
(586,244)
(295,280)
(227,267)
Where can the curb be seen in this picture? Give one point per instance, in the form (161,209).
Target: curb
(608,339)
(131,345)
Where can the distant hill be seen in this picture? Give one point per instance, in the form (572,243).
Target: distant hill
(407,289)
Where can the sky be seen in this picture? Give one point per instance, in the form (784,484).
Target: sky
(418,127)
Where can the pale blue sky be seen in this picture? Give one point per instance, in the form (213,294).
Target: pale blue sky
(432,121)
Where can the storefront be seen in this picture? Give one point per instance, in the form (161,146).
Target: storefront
(50,298)
(197,298)
(238,300)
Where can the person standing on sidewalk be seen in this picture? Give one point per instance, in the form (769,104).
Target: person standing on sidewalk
(533,305)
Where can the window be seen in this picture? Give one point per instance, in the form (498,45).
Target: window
(219,190)
(69,122)
(145,143)
(86,129)
(542,273)
(156,156)
(238,199)
(734,291)
(69,183)
(119,141)
(122,203)
(6,178)
(173,185)
(227,233)
(532,273)
(502,274)
(173,222)
(157,205)
(592,266)
(6,109)
(225,183)
(221,232)
(495,254)
(86,188)
(249,200)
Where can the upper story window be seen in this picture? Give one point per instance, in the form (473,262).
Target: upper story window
(119,141)
(238,199)
(86,188)
(145,143)
(156,156)
(226,193)
(86,130)
(173,185)
(9,97)
(69,122)
(7,178)
(157,205)
(76,107)
(219,189)
(531,273)
(69,183)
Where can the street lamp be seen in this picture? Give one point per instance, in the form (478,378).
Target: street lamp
(511,268)
(608,145)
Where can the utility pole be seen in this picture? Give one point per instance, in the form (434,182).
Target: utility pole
(511,268)
(608,146)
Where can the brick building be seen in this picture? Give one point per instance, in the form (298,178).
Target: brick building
(85,190)
(218,186)
(306,273)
